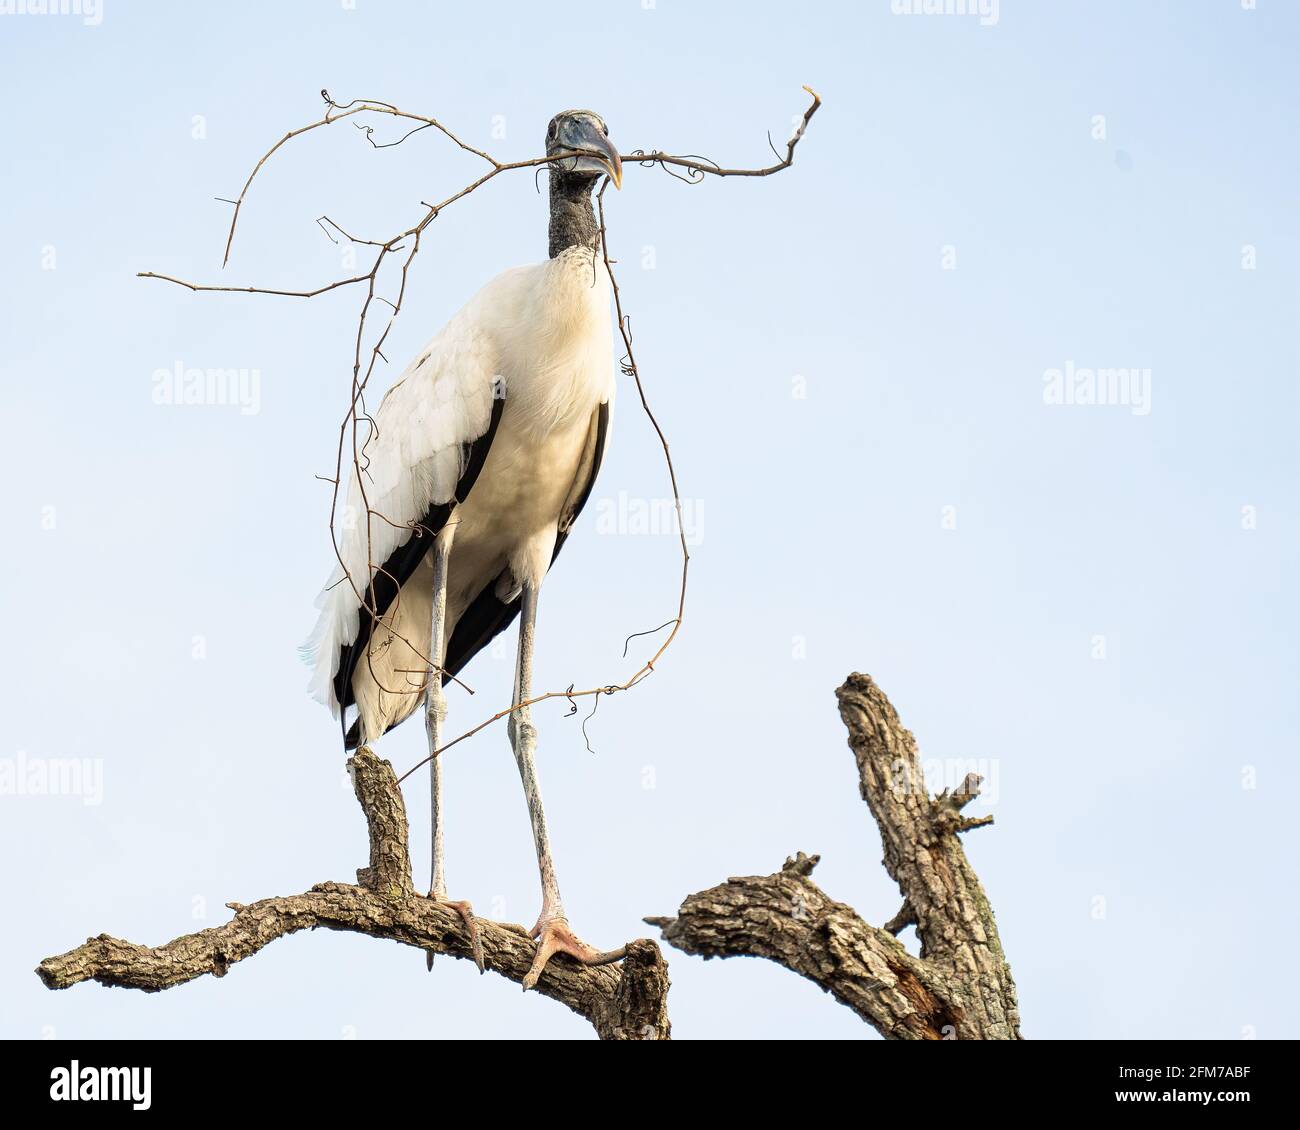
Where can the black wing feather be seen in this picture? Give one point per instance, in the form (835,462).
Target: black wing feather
(403,561)
(488,615)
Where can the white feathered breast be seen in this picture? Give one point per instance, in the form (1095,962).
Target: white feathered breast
(541,334)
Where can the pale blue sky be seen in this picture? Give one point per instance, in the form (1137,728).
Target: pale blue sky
(1127,850)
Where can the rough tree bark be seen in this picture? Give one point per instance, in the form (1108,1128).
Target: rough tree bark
(624,1002)
(959,988)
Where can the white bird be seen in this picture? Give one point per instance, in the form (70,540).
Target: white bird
(483,454)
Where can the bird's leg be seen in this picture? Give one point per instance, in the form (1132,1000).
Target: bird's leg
(435,703)
(552,930)
(435,713)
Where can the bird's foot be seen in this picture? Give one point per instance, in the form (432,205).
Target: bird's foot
(466,913)
(554,936)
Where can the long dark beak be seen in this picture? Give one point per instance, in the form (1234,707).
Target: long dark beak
(590,140)
(612,161)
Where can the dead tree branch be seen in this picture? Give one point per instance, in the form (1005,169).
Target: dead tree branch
(627,1001)
(960,987)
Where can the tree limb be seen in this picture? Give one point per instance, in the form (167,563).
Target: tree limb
(960,987)
(788,919)
(623,1002)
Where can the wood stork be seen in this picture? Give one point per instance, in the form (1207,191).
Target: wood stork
(483,454)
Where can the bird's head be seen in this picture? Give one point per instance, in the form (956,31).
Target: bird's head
(584,134)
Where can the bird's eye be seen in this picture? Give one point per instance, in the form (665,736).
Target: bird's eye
(553,130)
(604,129)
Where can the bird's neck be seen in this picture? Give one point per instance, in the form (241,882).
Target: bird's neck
(573,222)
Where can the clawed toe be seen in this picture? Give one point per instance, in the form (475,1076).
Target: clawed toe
(466,912)
(554,936)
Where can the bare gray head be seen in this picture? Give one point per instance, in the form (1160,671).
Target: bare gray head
(583,136)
